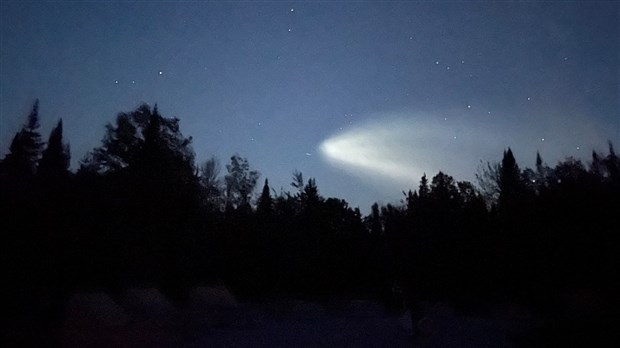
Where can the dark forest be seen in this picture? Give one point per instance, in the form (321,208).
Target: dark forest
(140,212)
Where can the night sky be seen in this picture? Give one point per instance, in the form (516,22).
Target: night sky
(363,96)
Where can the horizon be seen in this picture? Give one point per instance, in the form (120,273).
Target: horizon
(447,84)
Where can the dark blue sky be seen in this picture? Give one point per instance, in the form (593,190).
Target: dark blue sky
(363,96)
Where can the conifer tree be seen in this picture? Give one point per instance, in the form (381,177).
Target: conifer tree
(56,156)
(510,183)
(25,149)
(265,202)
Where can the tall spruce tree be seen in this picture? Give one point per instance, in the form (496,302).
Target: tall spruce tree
(265,202)
(25,149)
(510,181)
(56,156)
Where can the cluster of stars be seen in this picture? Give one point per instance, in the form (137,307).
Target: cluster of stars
(133,82)
(349,117)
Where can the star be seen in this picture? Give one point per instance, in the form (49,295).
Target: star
(462,62)
(578,147)
(292,10)
(116,82)
(528,98)
(468,106)
(448,68)
(542,139)
(133,82)
(436,62)
(161,72)
(289,29)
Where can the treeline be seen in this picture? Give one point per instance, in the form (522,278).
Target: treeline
(140,211)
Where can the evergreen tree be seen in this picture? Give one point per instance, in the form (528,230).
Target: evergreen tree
(612,164)
(298,181)
(265,202)
(143,140)
(374,221)
(25,149)
(56,156)
(443,188)
(510,182)
(310,197)
(423,189)
(596,166)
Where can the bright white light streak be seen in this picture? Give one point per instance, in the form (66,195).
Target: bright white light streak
(398,149)
(402,147)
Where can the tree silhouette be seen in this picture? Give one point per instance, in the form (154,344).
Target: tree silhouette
(264,207)
(240,182)
(140,213)
(120,144)
(25,149)
(298,181)
(510,184)
(211,184)
(56,156)
(310,197)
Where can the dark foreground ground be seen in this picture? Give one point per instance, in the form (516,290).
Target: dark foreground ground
(211,317)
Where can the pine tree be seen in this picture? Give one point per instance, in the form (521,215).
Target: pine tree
(596,165)
(265,202)
(310,197)
(56,156)
(510,182)
(376,227)
(612,164)
(25,149)
(143,141)
(443,188)
(423,190)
